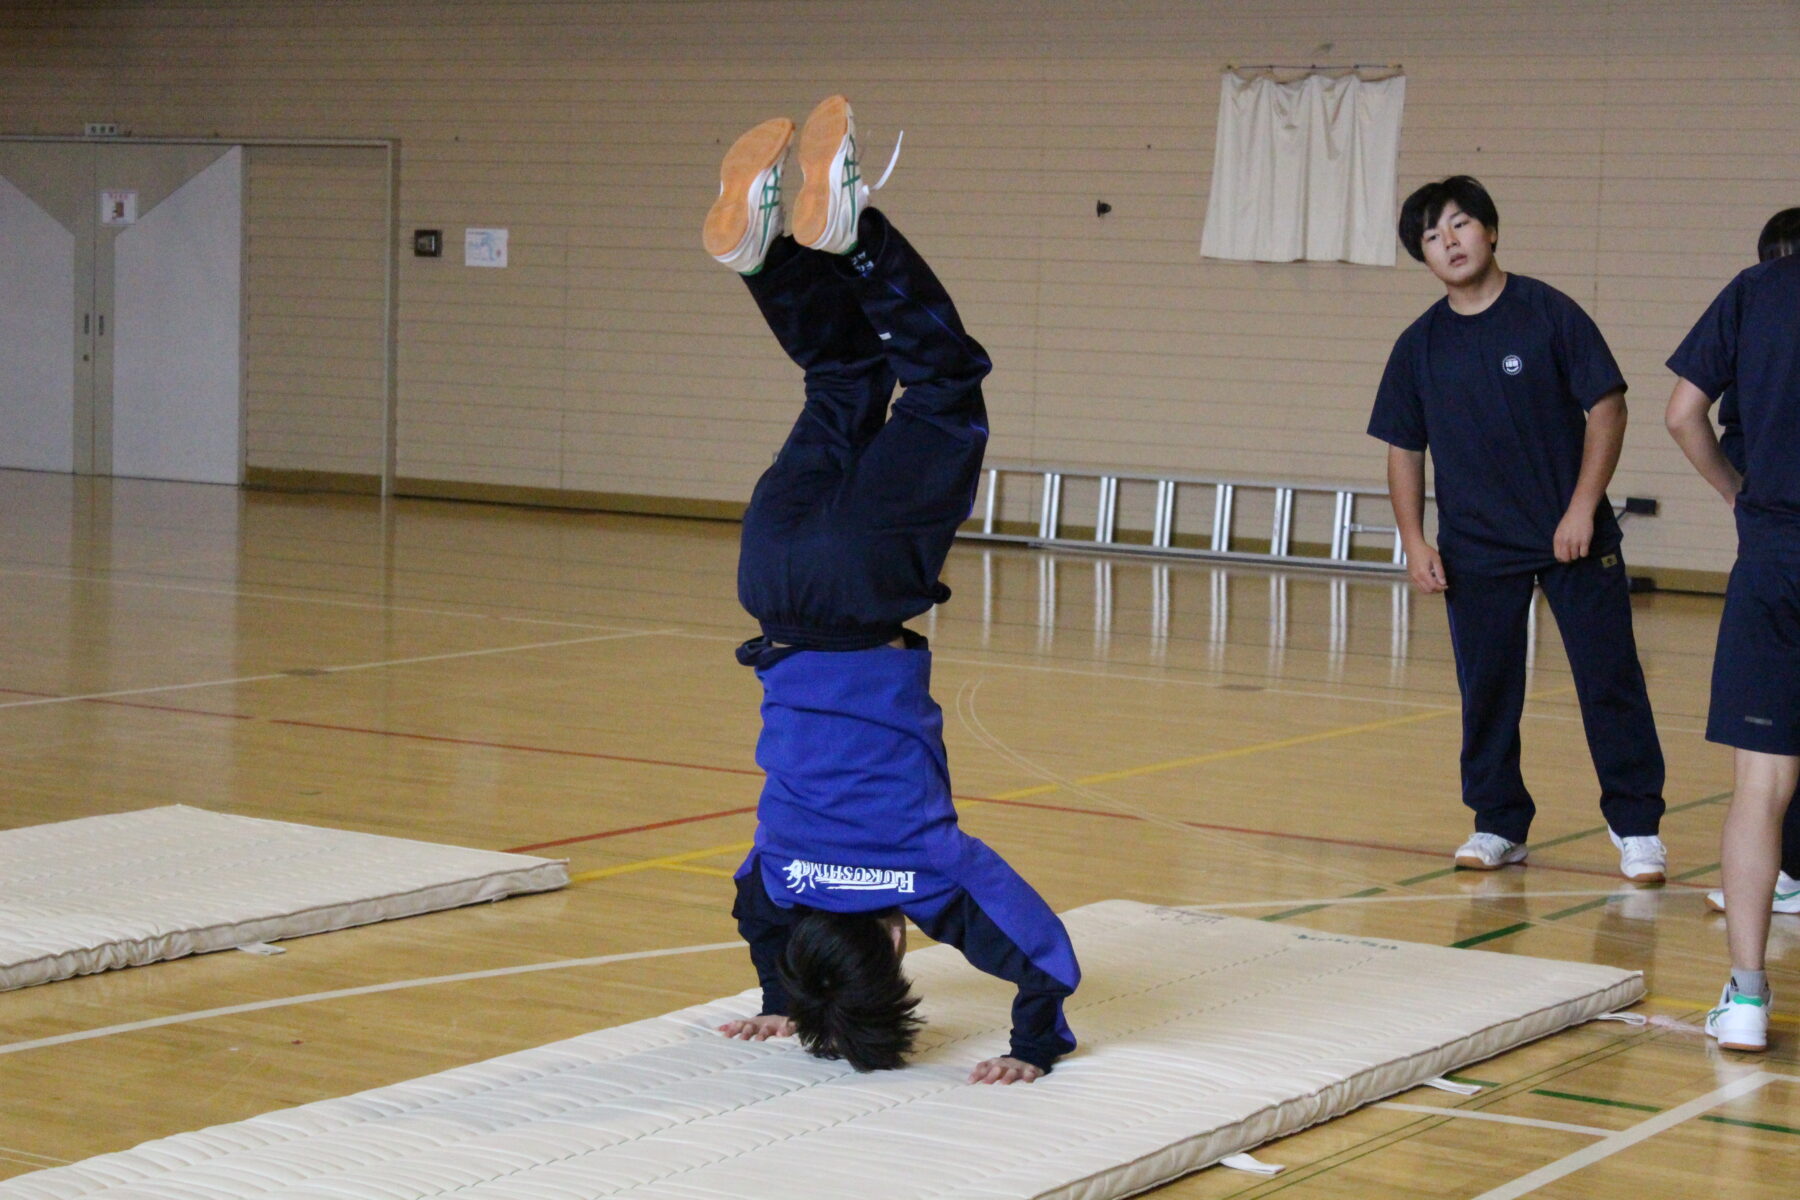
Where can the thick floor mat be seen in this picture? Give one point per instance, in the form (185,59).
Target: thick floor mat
(1202,1036)
(132,888)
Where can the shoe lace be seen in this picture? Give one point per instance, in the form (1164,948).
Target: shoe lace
(891,161)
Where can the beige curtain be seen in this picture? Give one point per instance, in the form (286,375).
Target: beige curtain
(1305,170)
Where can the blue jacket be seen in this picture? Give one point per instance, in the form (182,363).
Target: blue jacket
(856,816)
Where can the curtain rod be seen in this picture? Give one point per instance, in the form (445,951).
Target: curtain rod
(1313,66)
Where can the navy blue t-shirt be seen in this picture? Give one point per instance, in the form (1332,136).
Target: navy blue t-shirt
(1749,341)
(1500,399)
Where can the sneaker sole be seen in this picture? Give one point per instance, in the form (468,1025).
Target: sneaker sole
(760,148)
(820,140)
(1744,1046)
(1779,908)
(1648,877)
(1479,864)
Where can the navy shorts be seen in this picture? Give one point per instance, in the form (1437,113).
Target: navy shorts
(1756,669)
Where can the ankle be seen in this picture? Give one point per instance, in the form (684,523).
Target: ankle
(1747,982)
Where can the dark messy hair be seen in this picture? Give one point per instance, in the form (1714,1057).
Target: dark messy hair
(1423,208)
(1781,236)
(847,996)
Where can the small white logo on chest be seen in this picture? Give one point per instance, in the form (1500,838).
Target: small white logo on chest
(1512,364)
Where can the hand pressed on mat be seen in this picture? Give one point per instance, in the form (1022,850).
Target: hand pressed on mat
(1005,1070)
(758,1029)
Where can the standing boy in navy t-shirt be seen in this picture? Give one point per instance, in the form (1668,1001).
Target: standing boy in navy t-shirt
(1780,236)
(845,535)
(1749,342)
(1511,387)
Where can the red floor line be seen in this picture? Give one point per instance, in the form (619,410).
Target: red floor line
(750,808)
(608,833)
(663,762)
(192,712)
(456,741)
(1300,837)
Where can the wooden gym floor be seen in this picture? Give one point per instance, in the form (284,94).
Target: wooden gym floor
(1282,746)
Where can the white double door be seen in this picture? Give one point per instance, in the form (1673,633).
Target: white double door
(120,309)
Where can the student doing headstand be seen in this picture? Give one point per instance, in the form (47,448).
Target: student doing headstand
(842,542)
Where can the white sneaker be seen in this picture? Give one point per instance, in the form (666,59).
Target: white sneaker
(747,215)
(832,193)
(1489,852)
(1641,859)
(1787,896)
(1740,1022)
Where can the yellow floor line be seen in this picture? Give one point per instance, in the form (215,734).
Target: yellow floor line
(691,869)
(1258,748)
(672,860)
(677,862)
(1704,1005)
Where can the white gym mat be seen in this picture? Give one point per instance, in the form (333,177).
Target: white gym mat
(1202,1036)
(132,888)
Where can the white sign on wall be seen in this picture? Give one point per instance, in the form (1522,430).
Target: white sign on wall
(118,207)
(484,247)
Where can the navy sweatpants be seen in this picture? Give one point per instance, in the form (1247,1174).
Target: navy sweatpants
(847,531)
(1592,604)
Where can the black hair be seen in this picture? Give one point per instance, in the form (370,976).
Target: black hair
(847,996)
(1781,236)
(1423,208)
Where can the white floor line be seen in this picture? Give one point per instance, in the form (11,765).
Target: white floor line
(1413,899)
(1049,669)
(1449,703)
(398,985)
(1501,1118)
(338,670)
(30,1159)
(236,593)
(1624,1139)
(240,594)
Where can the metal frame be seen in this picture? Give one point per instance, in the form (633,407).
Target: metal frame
(1225,494)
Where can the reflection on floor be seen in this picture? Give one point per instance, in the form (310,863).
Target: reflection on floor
(1275,745)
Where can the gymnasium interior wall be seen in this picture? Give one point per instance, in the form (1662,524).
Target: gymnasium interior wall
(1634,148)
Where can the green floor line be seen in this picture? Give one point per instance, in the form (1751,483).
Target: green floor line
(1294,912)
(1708,869)
(1572,837)
(1585,833)
(1712,799)
(1770,1126)
(1426,876)
(1650,1108)
(1306,908)
(1569,837)
(1313,1170)
(1490,936)
(1476,1082)
(1579,908)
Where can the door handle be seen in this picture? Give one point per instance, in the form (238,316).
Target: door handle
(87,319)
(102,324)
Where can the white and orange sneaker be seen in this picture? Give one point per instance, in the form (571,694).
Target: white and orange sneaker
(1641,859)
(747,215)
(832,192)
(1489,852)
